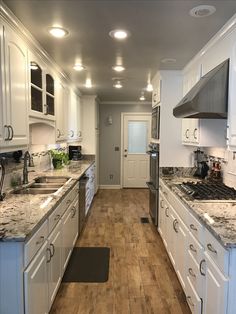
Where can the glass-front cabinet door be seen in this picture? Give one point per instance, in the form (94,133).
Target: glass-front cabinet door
(42,90)
(36,87)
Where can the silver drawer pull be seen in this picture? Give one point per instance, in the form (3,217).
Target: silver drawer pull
(189,299)
(175,224)
(68,202)
(200,267)
(73,209)
(166,211)
(193,227)
(191,272)
(162,204)
(192,248)
(41,240)
(57,217)
(210,248)
(50,255)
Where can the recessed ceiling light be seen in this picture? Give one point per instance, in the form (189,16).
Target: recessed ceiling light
(33,66)
(88,83)
(119,34)
(78,67)
(58,32)
(202,11)
(149,87)
(168,60)
(118,68)
(118,84)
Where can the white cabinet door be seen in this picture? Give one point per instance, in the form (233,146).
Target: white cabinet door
(16,70)
(79,118)
(216,289)
(3,129)
(62,103)
(73,117)
(67,237)
(54,266)
(36,283)
(156,94)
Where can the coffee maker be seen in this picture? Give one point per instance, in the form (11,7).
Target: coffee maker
(200,164)
(75,152)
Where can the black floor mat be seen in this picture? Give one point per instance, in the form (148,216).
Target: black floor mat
(144,220)
(88,264)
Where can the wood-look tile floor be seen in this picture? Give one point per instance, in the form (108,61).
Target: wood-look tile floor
(141,277)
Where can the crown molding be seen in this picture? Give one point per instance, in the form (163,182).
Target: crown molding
(112,102)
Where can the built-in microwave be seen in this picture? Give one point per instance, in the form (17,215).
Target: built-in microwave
(156,123)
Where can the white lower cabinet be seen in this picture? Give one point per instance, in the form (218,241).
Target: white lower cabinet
(35,283)
(69,232)
(215,300)
(54,263)
(201,263)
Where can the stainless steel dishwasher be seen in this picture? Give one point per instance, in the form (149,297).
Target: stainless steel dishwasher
(82,197)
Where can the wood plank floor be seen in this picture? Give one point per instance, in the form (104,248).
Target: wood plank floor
(141,277)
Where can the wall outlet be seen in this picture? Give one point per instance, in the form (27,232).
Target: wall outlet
(117,148)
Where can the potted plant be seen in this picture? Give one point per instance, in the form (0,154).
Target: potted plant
(59,158)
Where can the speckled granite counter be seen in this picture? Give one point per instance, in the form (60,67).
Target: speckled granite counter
(218,217)
(21,215)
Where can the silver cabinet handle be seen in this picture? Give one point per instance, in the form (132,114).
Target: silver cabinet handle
(191,272)
(58,133)
(53,249)
(211,248)
(200,267)
(192,248)
(165,194)
(68,202)
(73,209)
(166,211)
(193,227)
(194,133)
(72,133)
(57,217)
(187,133)
(189,299)
(50,257)
(175,222)
(11,132)
(40,240)
(161,203)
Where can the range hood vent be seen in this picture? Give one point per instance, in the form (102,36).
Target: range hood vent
(208,99)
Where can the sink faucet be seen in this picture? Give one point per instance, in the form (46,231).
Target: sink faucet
(2,167)
(25,168)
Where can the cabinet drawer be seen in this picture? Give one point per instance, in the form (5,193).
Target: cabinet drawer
(35,243)
(218,254)
(195,248)
(194,270)
(196,228)
(69,198)
(194,302)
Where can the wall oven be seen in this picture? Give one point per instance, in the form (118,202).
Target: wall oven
(153,184)
(156,123)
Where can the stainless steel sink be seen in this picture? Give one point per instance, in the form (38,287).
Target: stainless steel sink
(35,191)
(51,179)
(46,185)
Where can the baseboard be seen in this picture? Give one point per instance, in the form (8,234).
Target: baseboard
(109,187)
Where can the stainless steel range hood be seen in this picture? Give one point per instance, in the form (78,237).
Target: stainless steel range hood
(208,99)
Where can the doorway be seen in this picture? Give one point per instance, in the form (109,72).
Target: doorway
(135,135)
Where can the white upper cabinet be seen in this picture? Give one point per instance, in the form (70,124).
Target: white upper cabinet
(42,89)
(62,105)
(14,90)
(74,117)
(200,132)
(156,94)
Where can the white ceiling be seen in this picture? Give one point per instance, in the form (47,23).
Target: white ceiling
(159,29)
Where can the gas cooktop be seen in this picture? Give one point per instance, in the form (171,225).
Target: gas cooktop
(208,191)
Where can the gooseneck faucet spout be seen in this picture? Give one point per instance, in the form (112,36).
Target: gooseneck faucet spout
(25,168)
(2,167)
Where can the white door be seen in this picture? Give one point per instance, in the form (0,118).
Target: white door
(137,134)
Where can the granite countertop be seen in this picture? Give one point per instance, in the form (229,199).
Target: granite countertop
(21,215)
(217,216)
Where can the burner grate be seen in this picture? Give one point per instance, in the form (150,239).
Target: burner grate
(208,191)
